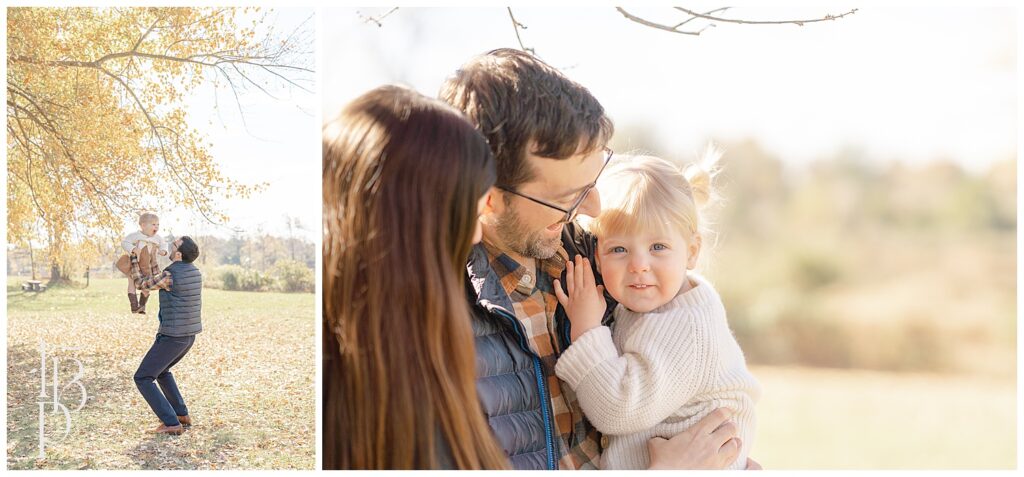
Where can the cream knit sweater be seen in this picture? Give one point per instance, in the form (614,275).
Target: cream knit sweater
(677,363)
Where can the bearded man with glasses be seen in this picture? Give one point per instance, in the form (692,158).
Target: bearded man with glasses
(548,135)
(525,243)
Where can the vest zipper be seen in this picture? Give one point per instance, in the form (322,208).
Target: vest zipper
(544,401)
(544,411)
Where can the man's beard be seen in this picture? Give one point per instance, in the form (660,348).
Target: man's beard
(514,233)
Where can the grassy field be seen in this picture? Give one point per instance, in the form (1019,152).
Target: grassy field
(248,381)
(838,419)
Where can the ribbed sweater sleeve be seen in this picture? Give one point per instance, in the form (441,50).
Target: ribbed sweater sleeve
(663,363)
(160,243)
(128,244)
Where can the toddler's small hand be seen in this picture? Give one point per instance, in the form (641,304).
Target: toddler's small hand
(584,303)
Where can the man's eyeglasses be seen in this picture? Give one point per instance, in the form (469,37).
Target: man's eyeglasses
(571,212)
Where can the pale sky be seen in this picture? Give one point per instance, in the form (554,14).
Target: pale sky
(907,83)
(280,147)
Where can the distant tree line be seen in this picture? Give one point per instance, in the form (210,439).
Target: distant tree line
(253,262)
(850,261)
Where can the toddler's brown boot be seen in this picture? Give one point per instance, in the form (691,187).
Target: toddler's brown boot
(142,303)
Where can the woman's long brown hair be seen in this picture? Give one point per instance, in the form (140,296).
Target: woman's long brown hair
(402,177)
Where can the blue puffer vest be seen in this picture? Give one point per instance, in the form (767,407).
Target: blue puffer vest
(511,382)
(180,308)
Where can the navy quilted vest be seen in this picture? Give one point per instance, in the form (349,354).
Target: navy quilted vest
(510,381)
(181,306)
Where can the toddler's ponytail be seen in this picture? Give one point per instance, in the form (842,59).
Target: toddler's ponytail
(700,174)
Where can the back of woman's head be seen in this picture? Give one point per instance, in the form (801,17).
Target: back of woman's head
(402,174)
(410,169)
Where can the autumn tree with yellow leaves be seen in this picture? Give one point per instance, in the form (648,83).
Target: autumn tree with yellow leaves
(96,119)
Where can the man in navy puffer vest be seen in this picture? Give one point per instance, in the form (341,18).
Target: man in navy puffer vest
(548,136)
(180,286)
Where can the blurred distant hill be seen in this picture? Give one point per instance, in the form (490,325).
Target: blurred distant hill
(857,263)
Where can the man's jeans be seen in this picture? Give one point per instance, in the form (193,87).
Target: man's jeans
(165,353)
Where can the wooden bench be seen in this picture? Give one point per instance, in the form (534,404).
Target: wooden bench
(33,286)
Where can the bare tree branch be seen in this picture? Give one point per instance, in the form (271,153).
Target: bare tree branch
(376,20)
(688,20)
(516,25)
(707,16)
(658,26)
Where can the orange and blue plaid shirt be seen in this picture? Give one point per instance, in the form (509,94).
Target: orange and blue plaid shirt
(155,278)
(535,305)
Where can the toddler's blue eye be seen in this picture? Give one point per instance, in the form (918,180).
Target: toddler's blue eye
(659,246)
(618,249)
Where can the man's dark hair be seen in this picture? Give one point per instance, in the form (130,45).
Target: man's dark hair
(518,101)
(189,249)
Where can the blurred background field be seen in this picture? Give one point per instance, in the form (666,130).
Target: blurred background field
(865,240)
(877,305)
(847,264)
(814,418)
(248,381)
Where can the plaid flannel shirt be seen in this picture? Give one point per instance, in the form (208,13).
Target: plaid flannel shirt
(534,303)
(154,279)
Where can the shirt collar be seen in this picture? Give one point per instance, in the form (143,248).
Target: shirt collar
(494,273)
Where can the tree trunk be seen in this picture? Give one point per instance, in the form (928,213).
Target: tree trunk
(32,261)
(57,275)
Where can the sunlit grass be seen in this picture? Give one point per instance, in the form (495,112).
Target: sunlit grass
(248,381)
(839,419)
